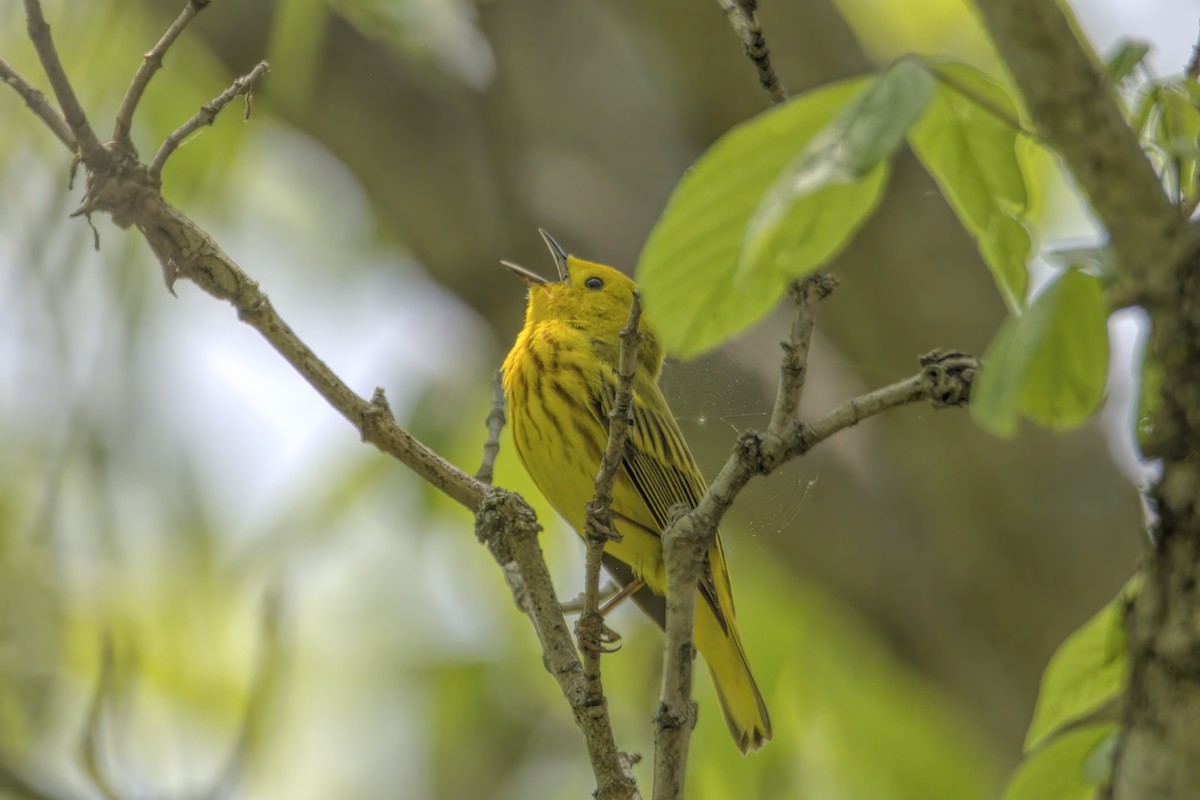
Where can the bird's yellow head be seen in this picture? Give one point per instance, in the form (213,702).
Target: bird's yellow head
(588,297)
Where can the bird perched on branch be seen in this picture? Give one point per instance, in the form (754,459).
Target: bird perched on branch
(561,380)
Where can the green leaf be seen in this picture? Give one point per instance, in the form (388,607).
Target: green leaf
(772,200)
(1065,378)
(1049,363)
(1124,60)
(1089,669)
(687,265)
(967,142)
(1005,246)
(800,226)
(996,393)
(1071,767)
(1177,134)
(834,184)
(1178,130)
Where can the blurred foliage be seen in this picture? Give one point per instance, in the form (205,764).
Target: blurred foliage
(1089,670)
(1049,364)
(1071,767)
(899,589)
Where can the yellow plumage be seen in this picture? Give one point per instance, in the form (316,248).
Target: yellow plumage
(560,379)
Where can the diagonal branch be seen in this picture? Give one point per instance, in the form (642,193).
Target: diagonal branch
(186,251)
(39,33)
(152,62)
(945,380)
(38,103)
(207,115)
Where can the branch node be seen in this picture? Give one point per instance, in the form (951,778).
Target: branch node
(377,414)
(759,454)
(948,376)
(667,719)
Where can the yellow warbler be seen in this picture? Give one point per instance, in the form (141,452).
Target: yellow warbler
(561,381)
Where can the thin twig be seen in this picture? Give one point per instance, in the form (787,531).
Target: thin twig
(495,424)
(793,368)
(38,103)
(945,379)
(743,18)
(207,115)
(39,33)
(152,61)
(594,636)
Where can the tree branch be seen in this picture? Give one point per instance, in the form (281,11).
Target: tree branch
(743,17)
(38,103)
(1158,752)
(1075,112)
(509,528)
(152,61)
(39,33)
(207,115)
(593,635)
(793,369)
(495,425)
(945,379)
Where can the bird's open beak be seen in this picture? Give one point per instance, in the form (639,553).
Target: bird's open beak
(559,255)
(531,277)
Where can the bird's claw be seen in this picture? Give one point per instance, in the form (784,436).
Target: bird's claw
(594,637)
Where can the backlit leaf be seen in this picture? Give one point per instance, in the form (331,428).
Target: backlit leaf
(967,142)
(1050,363)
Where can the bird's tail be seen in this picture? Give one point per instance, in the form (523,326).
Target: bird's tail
(741,702)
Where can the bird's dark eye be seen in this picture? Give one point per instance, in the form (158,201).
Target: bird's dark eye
(594,283)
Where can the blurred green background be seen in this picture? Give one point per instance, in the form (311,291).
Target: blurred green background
(162,472)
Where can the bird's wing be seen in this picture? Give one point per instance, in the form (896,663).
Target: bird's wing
(660,467)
